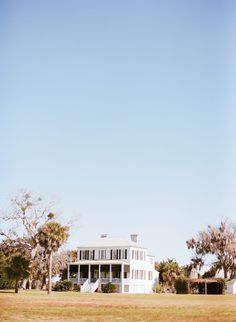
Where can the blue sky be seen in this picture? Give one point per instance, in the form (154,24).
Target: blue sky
(122,111)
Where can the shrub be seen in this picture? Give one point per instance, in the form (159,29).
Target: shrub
(157,288)
(63,286)
(5,283)
(108,288)
(181,285)
(76,287)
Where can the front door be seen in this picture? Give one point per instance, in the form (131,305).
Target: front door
(96,274)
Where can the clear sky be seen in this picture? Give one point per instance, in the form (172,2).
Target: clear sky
(124,112)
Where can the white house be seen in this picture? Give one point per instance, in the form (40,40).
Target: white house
(231,287)
(120,261)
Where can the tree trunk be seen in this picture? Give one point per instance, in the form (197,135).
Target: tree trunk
(30,283)
(225,273)
(50,273)
(16,286)
(37,284)
(43,281)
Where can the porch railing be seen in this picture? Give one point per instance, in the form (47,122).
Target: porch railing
(82,280)
(93,280)
(116,280)
(104,279)
(74,280)
(107,280)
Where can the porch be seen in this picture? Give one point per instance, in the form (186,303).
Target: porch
(105,273)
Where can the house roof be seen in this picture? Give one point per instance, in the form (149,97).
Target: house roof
(111,242)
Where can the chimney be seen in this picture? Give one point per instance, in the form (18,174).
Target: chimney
(103,236)
(134,238)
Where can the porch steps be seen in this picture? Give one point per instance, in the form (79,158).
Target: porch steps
(89,287)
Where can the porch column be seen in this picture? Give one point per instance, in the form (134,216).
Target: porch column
(89,273)
(78,279)
(110,277)
(122,278)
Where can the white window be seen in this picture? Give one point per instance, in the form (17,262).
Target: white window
(115,254)
(141,274)
(84,254)
(150,259)
(102,254)
(92,254)
(150,275)
(126,288)
(124,254)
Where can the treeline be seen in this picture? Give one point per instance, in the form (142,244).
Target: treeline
(216,244)
(31,237)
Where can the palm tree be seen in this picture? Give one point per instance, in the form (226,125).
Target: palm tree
(169,270)
(51,236)
(17,269)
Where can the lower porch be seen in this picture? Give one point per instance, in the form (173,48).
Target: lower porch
(104,273)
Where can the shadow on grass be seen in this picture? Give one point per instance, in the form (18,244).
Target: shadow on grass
(8,291)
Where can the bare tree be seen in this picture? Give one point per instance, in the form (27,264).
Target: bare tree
(218,241)
(27,213)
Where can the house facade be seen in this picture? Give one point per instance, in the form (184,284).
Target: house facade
(120,261)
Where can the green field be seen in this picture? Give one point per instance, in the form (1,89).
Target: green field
(72,306)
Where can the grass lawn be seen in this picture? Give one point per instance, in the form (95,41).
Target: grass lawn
(73,306)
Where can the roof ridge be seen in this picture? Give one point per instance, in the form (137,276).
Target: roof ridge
(110,241)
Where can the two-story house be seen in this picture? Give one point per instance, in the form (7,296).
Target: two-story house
(120,261)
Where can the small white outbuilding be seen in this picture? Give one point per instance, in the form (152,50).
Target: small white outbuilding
(231,287)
